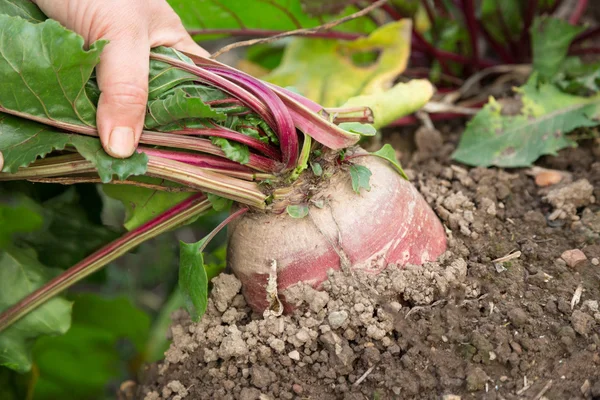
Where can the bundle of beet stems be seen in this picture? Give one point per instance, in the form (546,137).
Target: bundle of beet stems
(307,199)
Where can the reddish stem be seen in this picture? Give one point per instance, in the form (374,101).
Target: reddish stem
(585,50)
(100,258)
(468,8)
(578,12)
(498,48)
(589,34)
(222,132)
(199,160)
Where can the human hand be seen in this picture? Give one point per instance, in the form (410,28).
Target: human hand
(133,27)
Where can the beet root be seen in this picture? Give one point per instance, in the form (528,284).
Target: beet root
(390,224)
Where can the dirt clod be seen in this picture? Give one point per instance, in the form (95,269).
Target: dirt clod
(582,322)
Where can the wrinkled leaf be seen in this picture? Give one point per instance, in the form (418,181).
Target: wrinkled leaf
(322,69)
(578,78)
(107,334)
(193,281)
(24,9)
(297,210)
(551,38)
(233,150)
(20,274)
(540,128)
(361,176)
(143,204)
(388,153)
(179,106)
(22,141)
(45,74)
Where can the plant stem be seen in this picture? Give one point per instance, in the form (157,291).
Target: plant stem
(578,12)
(229,134)
(177,215)
(91,179)
(497,46)
(232,188)
(469,12)
(50,167)
(585,50)
(589,34)
(256,162)
(269,33)
(222,225)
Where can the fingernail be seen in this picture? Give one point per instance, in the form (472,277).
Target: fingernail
(121,142)
(1,161)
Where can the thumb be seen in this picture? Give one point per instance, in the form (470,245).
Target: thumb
(123,80)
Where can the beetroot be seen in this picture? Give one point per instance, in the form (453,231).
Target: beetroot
(390,224)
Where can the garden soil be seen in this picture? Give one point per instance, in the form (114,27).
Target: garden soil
(508,312)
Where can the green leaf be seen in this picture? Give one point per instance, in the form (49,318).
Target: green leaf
(179,106)
(547,115)
(17,219)
(324,71)
(22,141)
(193,281)
(67,235)
(357,127)
(361,176)
(316,168)
(45,72)
(143,204)
(24,9)
(578,78)
(233,150)
(107,335)
(388,153)
(219,203)
(257,14)
(297,210)
(20,274)
(551,38)
(107,166)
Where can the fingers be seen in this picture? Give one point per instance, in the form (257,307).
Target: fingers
(188,45)
(123,80)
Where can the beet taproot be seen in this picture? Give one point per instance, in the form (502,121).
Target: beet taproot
(391,224)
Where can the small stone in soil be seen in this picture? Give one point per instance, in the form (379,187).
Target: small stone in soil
(573,257)
(582,322)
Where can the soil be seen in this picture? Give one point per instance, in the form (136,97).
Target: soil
(503,314)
